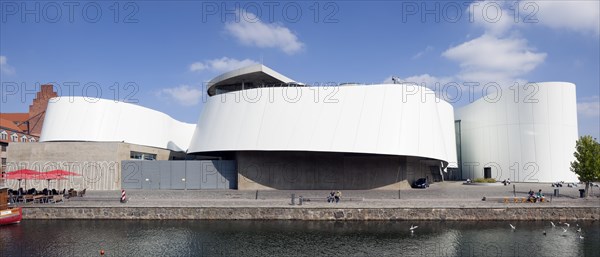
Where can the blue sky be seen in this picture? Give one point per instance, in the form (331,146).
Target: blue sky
(159,53)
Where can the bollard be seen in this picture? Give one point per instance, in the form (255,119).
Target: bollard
(556,192)
(293,199)
(123,196)
(514,191)
(300,200)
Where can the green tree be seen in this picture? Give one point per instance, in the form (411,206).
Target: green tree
(587,161)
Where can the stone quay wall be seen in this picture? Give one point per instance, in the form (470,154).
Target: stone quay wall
(301,213)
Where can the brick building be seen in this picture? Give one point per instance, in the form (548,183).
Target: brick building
(24,127)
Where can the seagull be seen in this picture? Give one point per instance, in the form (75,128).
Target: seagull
(511,226)
(568,225)
(544,232)
(552,224)
(577,224)
(564,230)
(580,237)
(579,230)
(412,228)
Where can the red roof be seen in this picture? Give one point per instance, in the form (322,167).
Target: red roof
(15,116)
(9,125)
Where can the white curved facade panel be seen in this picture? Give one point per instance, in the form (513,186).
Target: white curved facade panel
(374,119)
(526,135)
(101,120)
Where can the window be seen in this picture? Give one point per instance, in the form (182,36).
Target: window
(14,137)
(23,139)
(3,161)
(142,156)
(3,135)
(3,148)
(32,139)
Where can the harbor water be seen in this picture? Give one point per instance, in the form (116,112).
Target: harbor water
(297,238)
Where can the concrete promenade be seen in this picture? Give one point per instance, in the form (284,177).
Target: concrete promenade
(447,200)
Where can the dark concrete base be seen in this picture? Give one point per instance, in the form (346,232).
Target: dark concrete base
(330,171)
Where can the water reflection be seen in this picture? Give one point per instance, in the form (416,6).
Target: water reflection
(295,238)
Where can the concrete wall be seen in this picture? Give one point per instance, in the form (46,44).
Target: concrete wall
(328,171)
(212,174)
(99,163)
(293,213)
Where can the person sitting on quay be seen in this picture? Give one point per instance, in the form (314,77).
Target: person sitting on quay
(331,197)
(337,196)
(539,196)
(531,197)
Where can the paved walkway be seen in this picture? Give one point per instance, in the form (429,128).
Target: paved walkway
(439,195)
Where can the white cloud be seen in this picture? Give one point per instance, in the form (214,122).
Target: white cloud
(423,80)
(197,66)
(222,64)
(589,106)
(498,17)
(494,56)
(4,67)
(494,16)
(489,58)
(250,30)
(580,16)
(421,53)
(501,54)
(184,95)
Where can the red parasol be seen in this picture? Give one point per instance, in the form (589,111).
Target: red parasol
(62,173)
(48,177)
(22,174)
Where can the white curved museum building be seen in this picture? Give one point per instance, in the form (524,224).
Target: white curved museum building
(102,120)
(526,135)
(371,119)
(286,135)
(283,134)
